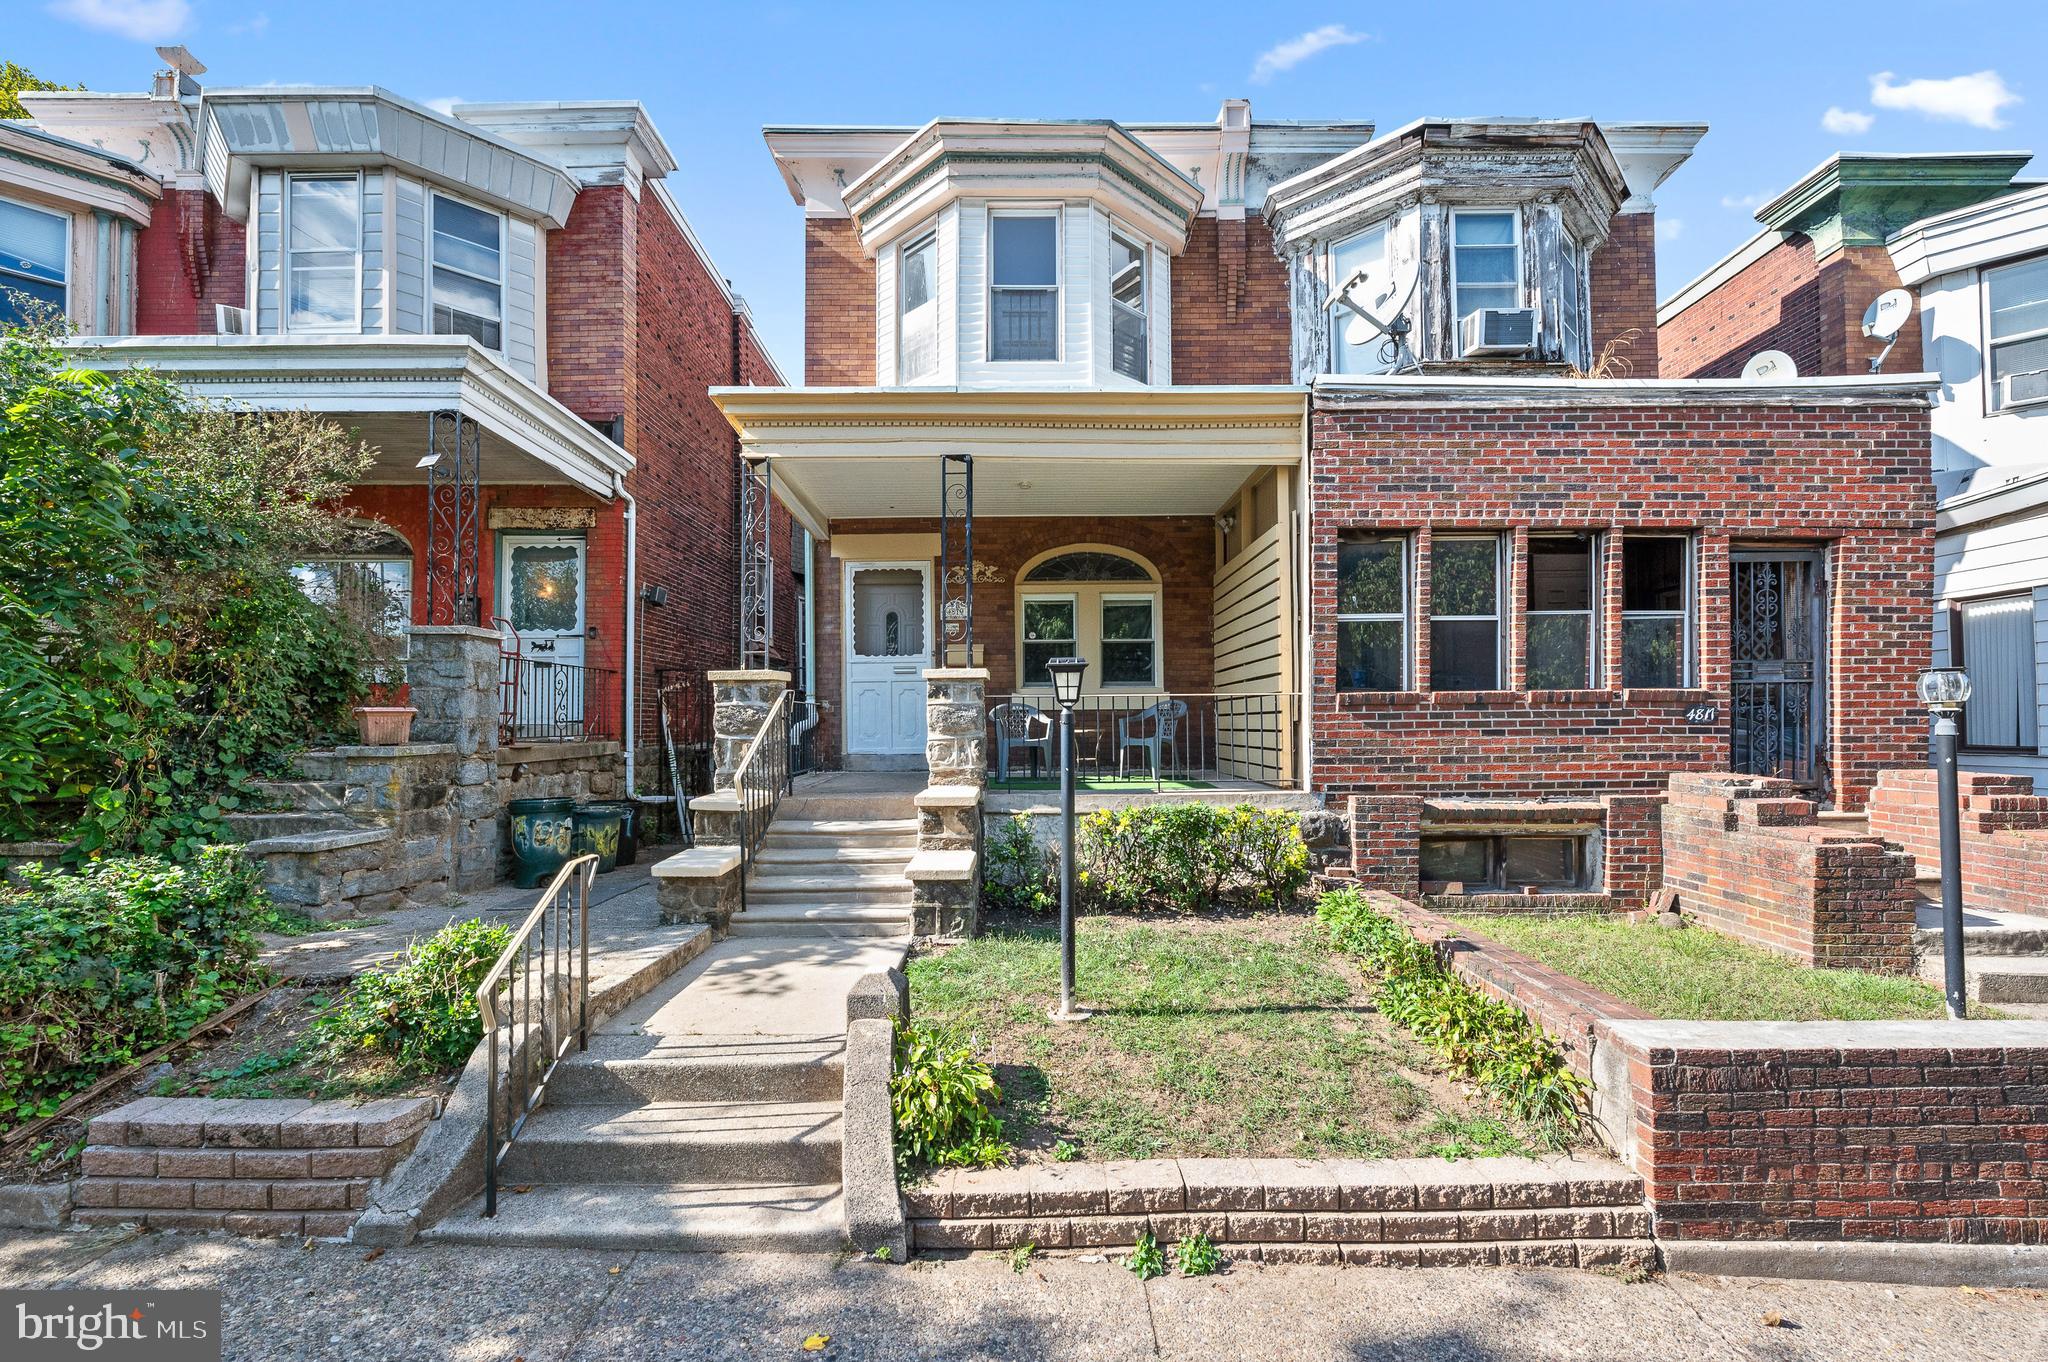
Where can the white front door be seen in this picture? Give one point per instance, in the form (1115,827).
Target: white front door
(541,594)
(888,647)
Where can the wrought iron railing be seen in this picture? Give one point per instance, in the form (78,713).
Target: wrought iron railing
(1134,738)
(548,701)
(683,709)
(533,1004)
(760,780)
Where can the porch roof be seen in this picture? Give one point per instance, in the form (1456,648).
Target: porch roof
(857,453)
(385,387)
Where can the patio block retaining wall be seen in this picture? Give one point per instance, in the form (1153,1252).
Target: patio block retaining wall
(2004,827)
(1885,1132)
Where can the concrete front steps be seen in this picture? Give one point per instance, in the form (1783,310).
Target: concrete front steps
(2005,955)
(833,866)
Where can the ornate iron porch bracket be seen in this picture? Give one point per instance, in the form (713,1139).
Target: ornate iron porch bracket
(956,573)
(757,563)
(454,464)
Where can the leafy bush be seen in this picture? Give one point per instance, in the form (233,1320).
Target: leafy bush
(1197,1255)
(1019,874)
(102,965)
(421,1011)
(1482,1038)
(1147,1259)
(944,1104)
(1190,857)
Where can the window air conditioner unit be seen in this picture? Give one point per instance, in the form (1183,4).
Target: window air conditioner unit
(230,321)
(1500,331)
(2024,390)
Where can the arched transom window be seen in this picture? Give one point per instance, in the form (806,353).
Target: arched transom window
(1094,602)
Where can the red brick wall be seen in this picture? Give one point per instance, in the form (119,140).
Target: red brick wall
(839,306)
(188,259)
(1849,281)
(1386,843)
(2004,827)
(1774,304)
(1853,478)
(593,331)
(1230,315)
(1624,279)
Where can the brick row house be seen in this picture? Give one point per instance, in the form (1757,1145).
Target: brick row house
(504,300)
(1472,578)
(1966,241)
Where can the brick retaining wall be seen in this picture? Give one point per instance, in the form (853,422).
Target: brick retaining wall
(2004,827)
(248,1166)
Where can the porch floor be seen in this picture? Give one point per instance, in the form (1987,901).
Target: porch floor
(1219,790)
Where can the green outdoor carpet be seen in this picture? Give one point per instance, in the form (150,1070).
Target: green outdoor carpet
(1107,785)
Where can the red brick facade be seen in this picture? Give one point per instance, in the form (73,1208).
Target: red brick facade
(1231,322)
(2004,827)
(839,306)
(1623,274)
(190,258)
(1786,300)
(1853,479)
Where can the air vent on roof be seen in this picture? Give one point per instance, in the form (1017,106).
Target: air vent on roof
(2023,390)
(1500,331)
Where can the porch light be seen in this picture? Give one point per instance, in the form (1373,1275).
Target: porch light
(1066,679)
(1944,689)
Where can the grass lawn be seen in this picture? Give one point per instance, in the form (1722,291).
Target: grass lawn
(1234,1036)
(1695,974)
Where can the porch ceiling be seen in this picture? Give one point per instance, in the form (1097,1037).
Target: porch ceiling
(385,388)
(852,453)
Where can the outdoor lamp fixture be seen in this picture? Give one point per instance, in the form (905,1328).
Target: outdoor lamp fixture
(1943,690)
(1066,689)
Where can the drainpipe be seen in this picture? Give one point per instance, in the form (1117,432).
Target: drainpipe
(628,728)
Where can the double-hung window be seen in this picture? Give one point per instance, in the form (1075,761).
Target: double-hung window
(1571,312)
(469,272)
(1130,349)
(1372,612)
(1486,262)
(2018,304)
(1130,641)
(1464,612)
(1024,287)
(33,256)
(917,309)
(1366,251)
(323,234)
(1048,633)
(1562,589)
(1656,611)
(1993,640)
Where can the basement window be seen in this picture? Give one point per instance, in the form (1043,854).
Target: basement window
(1505,865)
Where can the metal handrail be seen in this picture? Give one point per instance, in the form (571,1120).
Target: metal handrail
(1238,735)
(561,960)
(759,782)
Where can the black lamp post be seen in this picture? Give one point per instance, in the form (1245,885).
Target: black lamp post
(1943,690)
(1066,689)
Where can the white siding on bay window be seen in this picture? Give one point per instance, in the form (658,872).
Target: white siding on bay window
(522,345)
(267,260)
(888,367)
(374,285)
(1997,560)
(409,262)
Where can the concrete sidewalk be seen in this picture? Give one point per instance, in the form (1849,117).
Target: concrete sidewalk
(471,1304)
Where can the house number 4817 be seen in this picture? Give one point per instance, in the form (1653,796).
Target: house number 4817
(1703,714)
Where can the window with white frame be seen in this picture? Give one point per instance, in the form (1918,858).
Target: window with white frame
(917,309)
(1130,347)
(1365,251)
(469,272)
(370,585)
(1024,287)
(1656,611)
(1571,311)
(323,236)
(1486,262)
(1372,612)
(2017,302)
(34,254)
(1464,612)
(1563,641)
(1049,632)
(1993,640)
(1130,641)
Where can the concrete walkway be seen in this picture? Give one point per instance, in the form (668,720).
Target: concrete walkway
(488,1304)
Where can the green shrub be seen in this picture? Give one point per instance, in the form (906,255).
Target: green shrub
(1018,873)
(106,963)
(1196,1253)
(944,1101)
(1147,1259)
(422,1011)
(1190,857)
(1481,1038)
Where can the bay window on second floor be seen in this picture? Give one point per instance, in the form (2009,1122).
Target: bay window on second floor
(35,248)
(323,253)
(1023,287)
(469,272)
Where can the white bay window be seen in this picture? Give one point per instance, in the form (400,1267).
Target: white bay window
(1130,340)
(323,231)
(1024,288)
(917,310)
(469,272)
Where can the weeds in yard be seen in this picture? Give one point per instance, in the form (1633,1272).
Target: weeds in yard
(1147,1260)
(944,1104)
(1066,1151)
(1197,1256)
(1019,1256)
(421,1011)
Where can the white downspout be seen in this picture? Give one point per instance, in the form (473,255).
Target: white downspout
(632,626)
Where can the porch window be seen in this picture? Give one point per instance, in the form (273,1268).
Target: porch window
(1656,611)
(33,256)
(1130,646)
(1048,633)
(1486,263)
(1024,287)
(1562,639)
(371,585)
(2018,305)
(917,310)
(1130,349)
(322,227)
(1464,612)
(1505,864)
(1993,640)
(469,272)
(1372,614)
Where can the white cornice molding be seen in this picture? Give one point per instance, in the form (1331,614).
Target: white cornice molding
(600,141)
(1648,153)
(78,176)
(1411,390)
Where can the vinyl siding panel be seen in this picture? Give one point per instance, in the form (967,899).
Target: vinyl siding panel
(409,262)
(269,253)
(374,284)
(521,293)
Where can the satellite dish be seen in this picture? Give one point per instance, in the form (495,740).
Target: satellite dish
(1770,366)
(1374,313)
(1883,319)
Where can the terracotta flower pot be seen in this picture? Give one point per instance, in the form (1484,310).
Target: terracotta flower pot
(384,725)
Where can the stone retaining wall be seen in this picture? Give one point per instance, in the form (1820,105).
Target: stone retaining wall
(553,770)
(247,1166)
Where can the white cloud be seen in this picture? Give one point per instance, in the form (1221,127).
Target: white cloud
(1745,203)
(255,23)
(144,21)
(1670,229)
(1292,53)
(1846,122)
(1974,99)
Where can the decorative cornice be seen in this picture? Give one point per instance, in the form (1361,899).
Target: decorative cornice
(141,191)
(946,159)
(1342,393)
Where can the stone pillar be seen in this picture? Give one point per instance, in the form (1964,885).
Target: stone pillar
(740,701)
(945,874)
(455,676)
(956,725)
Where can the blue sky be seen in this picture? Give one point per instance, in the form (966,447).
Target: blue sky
(1783,84)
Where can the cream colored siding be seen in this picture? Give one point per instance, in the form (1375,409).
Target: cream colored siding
(1252,632)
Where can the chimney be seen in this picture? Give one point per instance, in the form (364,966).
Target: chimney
(177,80)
